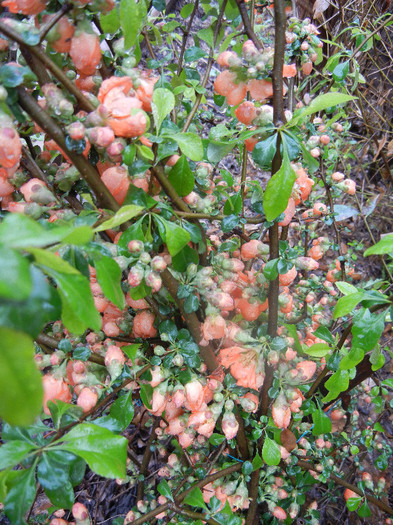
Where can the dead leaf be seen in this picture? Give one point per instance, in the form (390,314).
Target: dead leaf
(381,144)
(288,439)
(320,7)
(389,152)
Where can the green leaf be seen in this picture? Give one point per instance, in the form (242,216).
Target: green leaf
(279,189)
(20,496)
(190,145)
(21,392)
(123,215)
(13,452)
(79,236)
(324,333)
(58,409)
(110,22)
(322,424)
(162,104)
(270,270)
(321,103)
(233,205)
(175,236)
(194,53)
(186,10)
(53,474)
(216,439)
(264,151)
(247,468)
(50,260)
(317,350)
(20,231)
(130,20)
(78,309)
(15,278)
(367,329)
(195,498)
(346,288)
(206,34)
(30,316)
(346,304)
(337,383)
(131,351)
(109,278)
(123,409)
(216,151)
(352,358)
(257,462)
(340,72)
(270,452)
(353,503)
(146,394)
(163,488)
(191,304)
(364,511)
(104,452)
(181,177)
(385,245)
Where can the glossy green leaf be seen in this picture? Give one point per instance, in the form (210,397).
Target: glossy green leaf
(162,104)
(130,20)
(257,462)
(79,236)
(233,205)
(216,151)
(109,278)
(78,309)
(346,304)
(353,503)
(364,511)
(385,245)
(190,145)
(15,278)
(270,452)
(13,452)
(163,488)
(367,329)
(123,409)
(146,394)
(48,259)
(352,358)
(123,215)
(21,392)
(175,236)
(58,409)
(321,103)
(216,439)
(337,383)
(279,189)
(181,177)
(270,270)
(317,350)
(20,496)
(194,53)
(264,151)
(322,424)
(195,498)
(346,288)
(324,333)
(104,452)
(110,22)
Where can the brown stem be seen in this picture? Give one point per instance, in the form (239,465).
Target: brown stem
(185,36)
(49,64)
(208,69)
(146,518)
(104,198)
(247,24)
(145,460)
(195,515)
(307,466)
(43,339)
(53,21)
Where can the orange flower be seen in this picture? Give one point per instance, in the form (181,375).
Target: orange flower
(55,389)
(85,52)
(260,89)
(26,7)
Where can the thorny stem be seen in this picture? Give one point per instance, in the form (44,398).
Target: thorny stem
(88,172)
(208,69)
(247,24)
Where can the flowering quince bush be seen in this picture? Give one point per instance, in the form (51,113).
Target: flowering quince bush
(144,285)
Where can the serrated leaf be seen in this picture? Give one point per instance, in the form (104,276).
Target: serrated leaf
(13,452)
(162,104)
(270,452)
(20,496)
